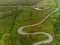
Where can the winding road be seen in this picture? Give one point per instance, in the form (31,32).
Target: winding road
(50,38)
(36,8)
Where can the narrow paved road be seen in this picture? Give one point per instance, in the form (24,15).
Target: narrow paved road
(36,8)
(50,38)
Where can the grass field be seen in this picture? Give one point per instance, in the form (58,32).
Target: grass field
(18,2)
(11,18)
(26,19)
(57,24)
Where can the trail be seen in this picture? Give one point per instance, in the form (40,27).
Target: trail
(36,8)
(50,38)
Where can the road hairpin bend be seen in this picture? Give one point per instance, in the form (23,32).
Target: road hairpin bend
(50,38)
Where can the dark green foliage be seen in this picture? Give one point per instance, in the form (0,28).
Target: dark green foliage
(57,31)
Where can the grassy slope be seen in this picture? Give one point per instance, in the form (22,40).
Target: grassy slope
(58,6)
(57,24)
(5,26)
(25,18)
(6,23)
(17,2)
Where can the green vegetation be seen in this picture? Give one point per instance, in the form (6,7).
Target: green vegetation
(18,2)
(46,4)
(16,17)
(57,14)
(25,18)
(58,4)
(11,18)
(56,22)
(57,30)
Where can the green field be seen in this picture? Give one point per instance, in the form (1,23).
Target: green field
(18,2)
(12,18)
